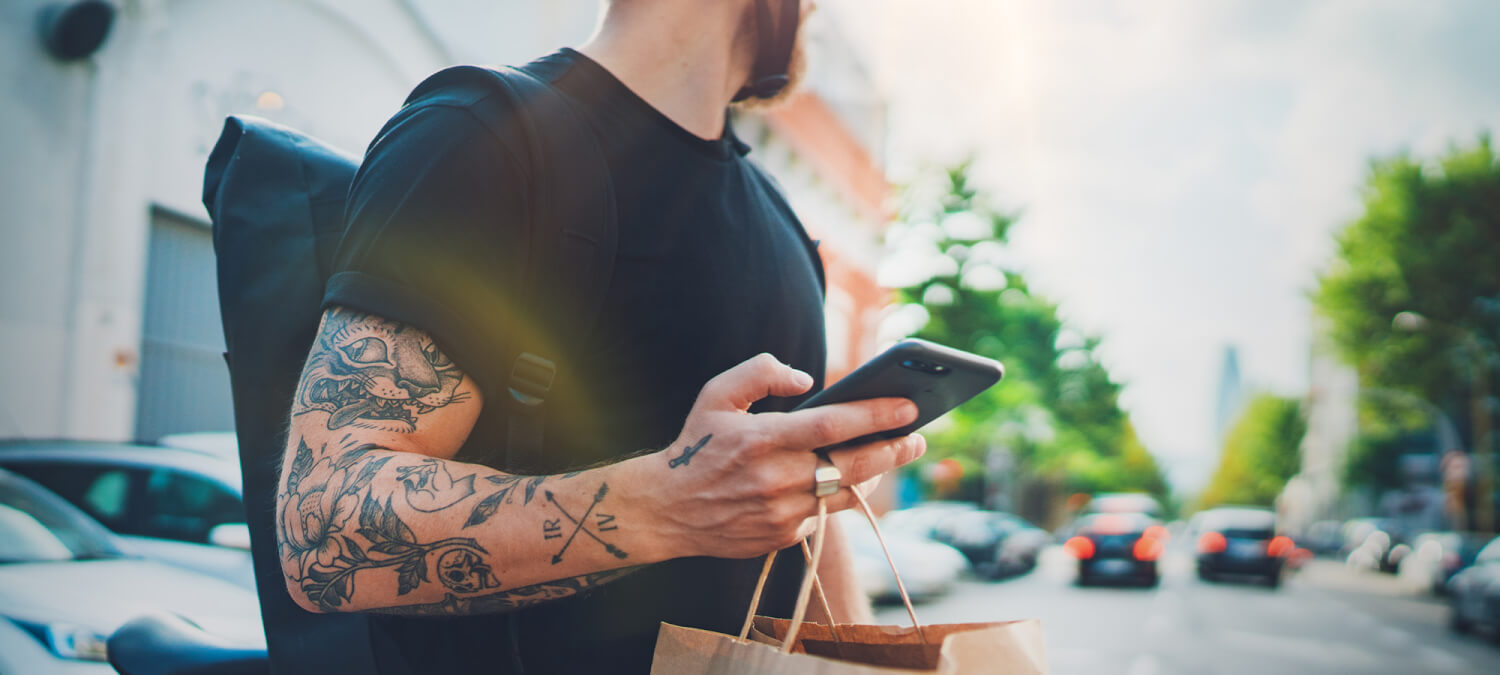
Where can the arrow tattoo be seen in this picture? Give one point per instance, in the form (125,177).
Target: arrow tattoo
(687,453)
(580,526)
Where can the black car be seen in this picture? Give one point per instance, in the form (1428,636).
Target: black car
(1241,542)
(1475,593)
(1117,547)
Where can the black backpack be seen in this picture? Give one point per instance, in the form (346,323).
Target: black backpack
(276,198)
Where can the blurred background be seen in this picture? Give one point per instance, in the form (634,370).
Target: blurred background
(1241,259)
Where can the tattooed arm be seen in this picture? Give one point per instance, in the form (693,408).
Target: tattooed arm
(375,515)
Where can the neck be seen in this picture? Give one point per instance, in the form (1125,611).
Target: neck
(686,58)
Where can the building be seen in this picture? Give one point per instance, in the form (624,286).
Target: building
(1332,413)
(1231,397)
(108,307)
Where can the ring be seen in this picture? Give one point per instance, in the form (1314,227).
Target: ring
(826,477)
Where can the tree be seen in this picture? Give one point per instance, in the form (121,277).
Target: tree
(1413,298)
(1057,410)
(1261,453)
(1428,244)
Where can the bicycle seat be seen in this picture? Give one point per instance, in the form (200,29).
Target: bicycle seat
(166,644)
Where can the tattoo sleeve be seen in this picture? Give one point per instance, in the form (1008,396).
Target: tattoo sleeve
(362,527)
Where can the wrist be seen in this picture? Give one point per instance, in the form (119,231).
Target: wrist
(638,482)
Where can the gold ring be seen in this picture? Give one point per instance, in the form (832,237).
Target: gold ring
(826,477)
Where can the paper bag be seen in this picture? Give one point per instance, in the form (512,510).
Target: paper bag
(1012,648)
(768,645)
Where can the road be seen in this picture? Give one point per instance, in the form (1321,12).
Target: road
(1324,619)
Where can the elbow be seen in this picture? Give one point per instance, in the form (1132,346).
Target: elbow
(294,589)
(313,590)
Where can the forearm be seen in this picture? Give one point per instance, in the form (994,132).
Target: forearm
(837,576)
(363,528)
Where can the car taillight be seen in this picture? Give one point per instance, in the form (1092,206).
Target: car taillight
(1212,542)
(1081,548)
(1147,548)
(1279,546)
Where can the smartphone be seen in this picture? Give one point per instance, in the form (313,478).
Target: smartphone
(936,378)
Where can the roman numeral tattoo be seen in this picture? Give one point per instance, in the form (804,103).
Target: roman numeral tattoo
(579,525)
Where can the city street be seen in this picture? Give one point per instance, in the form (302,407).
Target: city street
(1324,619)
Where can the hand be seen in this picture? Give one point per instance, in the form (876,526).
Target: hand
(737,485)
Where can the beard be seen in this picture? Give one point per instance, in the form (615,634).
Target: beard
(796,71)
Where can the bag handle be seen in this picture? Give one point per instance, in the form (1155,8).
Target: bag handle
(810,577)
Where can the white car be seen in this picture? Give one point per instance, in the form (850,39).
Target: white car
(928,569)
(65,585)
(181,507)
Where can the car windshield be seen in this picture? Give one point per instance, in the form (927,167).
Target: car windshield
(1115,523)
(37,527)
(1241,523)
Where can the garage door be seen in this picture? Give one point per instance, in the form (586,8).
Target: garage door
(184,384)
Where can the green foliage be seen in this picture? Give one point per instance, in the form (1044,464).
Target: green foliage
(1429,243)
(1261,452)
(1057,410)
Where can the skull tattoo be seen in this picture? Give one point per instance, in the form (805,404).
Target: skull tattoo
(462,571)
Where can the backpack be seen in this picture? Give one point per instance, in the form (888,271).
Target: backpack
(276,199)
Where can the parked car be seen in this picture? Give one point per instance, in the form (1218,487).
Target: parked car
(1475,593)
(926,520)
(1323,537)
(181,507)
(1118,547)
(1437,556)
(66,584)
(929,569)
(1241,542)
(995,543)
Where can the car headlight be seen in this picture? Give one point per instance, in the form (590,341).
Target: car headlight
(68,641)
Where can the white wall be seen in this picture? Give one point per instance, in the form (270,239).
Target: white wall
(91,146)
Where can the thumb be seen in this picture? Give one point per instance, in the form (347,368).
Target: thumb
(760,376)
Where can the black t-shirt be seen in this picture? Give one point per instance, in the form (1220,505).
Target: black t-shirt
(712,268)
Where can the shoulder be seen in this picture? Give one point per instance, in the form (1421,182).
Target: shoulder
(461,110)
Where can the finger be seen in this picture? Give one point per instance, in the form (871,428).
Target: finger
(756,378)
(862,463)
(901,451)
(832,424)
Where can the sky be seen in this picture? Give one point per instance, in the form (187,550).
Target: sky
(1180,166)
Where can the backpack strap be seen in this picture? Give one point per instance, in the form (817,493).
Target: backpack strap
(570,261)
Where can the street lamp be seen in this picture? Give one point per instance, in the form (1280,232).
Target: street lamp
(1413,322)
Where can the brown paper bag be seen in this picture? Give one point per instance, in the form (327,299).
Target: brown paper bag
(1009,647)
(1012,648)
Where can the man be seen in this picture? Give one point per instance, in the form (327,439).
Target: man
(394,498)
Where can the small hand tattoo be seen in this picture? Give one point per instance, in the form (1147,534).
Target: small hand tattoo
(688,452)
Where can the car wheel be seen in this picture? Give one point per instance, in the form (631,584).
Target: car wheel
(1273,581)
(1153,581)
(1205,576)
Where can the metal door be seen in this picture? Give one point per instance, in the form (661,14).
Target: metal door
(184,384)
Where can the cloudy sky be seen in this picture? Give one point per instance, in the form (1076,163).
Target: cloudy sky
(1180,165)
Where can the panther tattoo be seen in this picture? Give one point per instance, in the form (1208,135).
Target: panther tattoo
(375,373)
